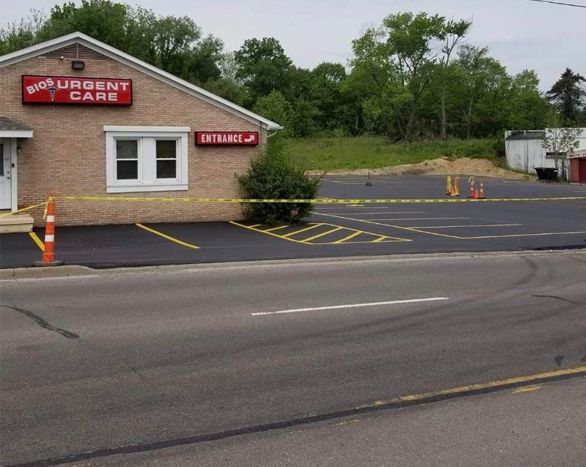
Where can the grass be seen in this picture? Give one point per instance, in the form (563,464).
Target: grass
(370,152)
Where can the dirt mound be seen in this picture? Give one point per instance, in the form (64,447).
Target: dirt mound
(439,166)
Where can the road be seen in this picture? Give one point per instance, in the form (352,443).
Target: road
(161,357)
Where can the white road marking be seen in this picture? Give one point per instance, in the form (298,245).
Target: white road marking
(463,225)
(422,218)
(354,305)
(360,213)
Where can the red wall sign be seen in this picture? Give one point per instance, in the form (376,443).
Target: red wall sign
(226,138)
(76,90)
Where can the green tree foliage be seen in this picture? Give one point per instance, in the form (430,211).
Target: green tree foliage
(175,44)
(263,67)
(568,96)
(412,77)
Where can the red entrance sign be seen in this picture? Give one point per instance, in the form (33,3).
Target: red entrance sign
(75,90)
(226,138)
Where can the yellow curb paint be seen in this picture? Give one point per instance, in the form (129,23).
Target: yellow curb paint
(481,386)
(167,237)
(532,388)
(37,241)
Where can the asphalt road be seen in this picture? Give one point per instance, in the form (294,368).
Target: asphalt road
(159,358)
(407,228)
(531,426)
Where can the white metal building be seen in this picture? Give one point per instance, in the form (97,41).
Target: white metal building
(525,151)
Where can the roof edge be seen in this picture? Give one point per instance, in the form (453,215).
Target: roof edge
(140,65)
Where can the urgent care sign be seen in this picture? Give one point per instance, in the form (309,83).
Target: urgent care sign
(75,90)
(226,138)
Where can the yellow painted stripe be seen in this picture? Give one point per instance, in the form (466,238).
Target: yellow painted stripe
(380,239)
(349,237)
(366,221)
(252,228)
(532,388)
(168,237)
(276,228)
(496,384)
(312,226)
(37,241)
(323,234)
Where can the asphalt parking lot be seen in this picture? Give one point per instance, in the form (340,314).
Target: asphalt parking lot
(353,229)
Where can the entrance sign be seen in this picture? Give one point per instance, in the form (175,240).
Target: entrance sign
(226,138)
(75,90)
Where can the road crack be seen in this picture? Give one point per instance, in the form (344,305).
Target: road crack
(557,298)
(42,322)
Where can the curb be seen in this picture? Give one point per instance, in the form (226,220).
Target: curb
(79,271)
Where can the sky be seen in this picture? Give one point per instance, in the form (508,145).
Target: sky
(521,34)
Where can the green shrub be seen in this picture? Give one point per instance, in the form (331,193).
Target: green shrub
(271,177)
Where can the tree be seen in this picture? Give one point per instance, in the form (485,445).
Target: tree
(175,44)
(559,142)
(400,60)
(567,95)
(263,66)
(453,32)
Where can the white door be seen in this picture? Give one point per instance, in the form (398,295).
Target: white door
(5,181)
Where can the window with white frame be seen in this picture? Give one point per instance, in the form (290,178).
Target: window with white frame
(146,158)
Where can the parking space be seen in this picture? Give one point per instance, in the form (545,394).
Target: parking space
(352,229)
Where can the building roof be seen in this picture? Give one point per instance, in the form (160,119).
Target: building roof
(12,129)
(133,62)
(525,135)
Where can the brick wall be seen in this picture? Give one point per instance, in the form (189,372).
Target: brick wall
(67,154)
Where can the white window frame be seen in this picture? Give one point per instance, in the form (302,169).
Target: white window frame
(147,159)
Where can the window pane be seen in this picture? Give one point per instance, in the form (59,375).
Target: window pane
(167,169)
(166,149)
(126,149)
(127,170)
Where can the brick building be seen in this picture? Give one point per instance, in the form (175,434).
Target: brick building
(78,117)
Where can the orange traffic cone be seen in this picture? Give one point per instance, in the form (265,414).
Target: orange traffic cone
(471,195)
(48,258)
(481,194)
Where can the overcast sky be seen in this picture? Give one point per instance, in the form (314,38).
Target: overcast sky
(520,33)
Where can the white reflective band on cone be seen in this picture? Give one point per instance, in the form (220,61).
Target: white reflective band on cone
(50,218)
(49,238)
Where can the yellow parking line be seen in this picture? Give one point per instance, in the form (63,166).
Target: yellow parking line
(37,241)
(290,234)
(167,237)
(252,227)
(275,228)
(380,239)
(410,229)
(349,237)
(323,234)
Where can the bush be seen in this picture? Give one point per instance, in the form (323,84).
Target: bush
(271,177)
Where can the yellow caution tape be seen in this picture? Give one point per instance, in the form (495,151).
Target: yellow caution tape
(24,209)
(311,201)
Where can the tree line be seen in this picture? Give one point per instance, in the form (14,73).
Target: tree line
(412,77)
